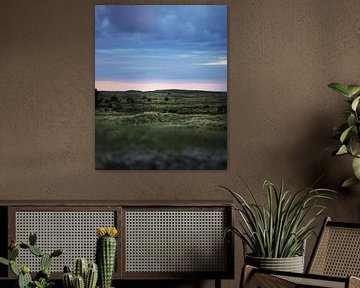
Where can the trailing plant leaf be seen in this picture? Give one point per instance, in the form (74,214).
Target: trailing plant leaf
(356,167)
(342,150)
(355,103)
(345,134)
(349,182)
(353,89)
(349,132)
(340,88)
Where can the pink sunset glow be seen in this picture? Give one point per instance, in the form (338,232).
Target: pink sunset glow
(151,86)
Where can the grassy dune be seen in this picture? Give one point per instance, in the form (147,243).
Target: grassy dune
(167,129)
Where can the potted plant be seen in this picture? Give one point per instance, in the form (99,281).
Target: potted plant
(348,132)
(275,233)
(42,278)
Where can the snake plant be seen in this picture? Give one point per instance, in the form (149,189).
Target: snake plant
(279,228)
(348,133)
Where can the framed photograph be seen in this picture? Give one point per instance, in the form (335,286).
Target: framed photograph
(161,87)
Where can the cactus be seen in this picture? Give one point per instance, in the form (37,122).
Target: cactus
(36,251)
(79,282)
(45,261)
(105,254)
(68,280)
(90,272)
(91,276)
(42,278)
(13,253)
(80,268)
(32,238)
(24,279)
(57,252)
(14,268)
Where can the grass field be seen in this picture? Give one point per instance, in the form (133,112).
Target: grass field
(161,130)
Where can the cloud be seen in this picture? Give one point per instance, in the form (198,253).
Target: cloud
(217,63)
(165,25)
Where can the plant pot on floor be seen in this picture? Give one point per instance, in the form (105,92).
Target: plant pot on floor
(290,264)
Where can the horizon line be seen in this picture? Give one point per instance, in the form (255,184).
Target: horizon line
(137,90)
(154,85)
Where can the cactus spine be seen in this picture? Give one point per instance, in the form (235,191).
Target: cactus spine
(106,254)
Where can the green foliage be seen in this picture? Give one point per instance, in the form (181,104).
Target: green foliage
(43,283)
(279,229)
(348,132)
(164,129)
(42,278)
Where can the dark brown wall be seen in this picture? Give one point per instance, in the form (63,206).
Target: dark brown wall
(282,54)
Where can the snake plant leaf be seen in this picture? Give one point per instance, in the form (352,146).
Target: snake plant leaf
(345,134)
(355,103)
(342,150)
(349,182)
(353,89)
(356,167)
(341,89)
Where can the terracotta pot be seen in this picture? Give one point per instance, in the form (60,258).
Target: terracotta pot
(291,264)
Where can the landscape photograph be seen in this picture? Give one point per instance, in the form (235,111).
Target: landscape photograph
(161,87)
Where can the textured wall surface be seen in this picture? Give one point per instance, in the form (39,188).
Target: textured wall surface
(282,54)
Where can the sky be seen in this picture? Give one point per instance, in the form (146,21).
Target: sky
(151,47)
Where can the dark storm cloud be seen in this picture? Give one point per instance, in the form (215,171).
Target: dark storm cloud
(154,25)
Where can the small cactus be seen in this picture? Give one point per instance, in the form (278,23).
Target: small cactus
(106,254)
(91,276)
(24,278)
(79,282)
(80,268)
(84,274)
(68,280)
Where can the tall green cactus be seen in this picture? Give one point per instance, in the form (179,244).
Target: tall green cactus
(106,254)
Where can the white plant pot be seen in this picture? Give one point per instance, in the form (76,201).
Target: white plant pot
(291,264)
